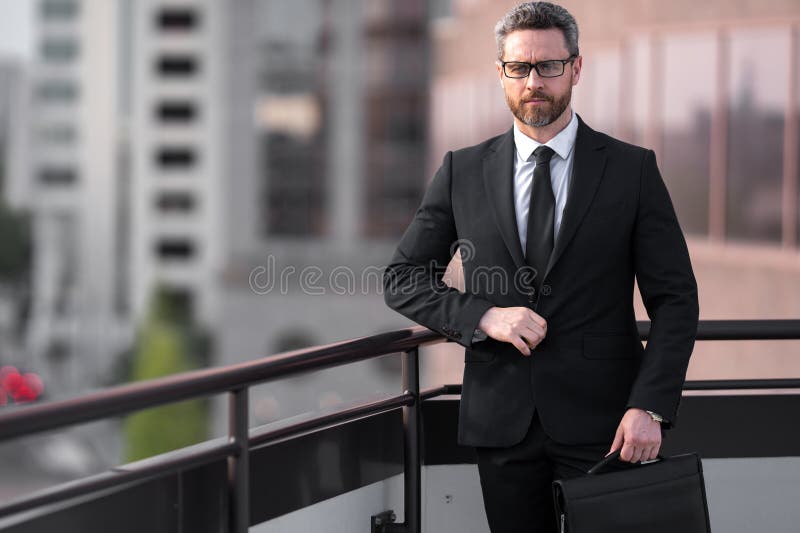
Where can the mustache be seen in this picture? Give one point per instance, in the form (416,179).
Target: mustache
(537,96)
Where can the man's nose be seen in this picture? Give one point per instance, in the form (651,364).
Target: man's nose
(534,81)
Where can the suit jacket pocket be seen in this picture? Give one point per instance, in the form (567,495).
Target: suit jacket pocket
(609,347)
(472,355)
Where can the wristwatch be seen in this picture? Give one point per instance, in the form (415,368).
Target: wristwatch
(655,416)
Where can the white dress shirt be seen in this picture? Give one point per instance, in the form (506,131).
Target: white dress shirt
(563,144)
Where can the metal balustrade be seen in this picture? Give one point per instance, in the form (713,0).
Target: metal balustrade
(236,380)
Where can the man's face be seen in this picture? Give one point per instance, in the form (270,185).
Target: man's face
(537,101)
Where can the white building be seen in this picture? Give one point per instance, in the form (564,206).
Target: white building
(74,179)
(176,147)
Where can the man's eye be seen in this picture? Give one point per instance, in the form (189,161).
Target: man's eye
(548,67)
(518,68)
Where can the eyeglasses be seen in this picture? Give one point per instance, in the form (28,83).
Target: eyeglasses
(545,69)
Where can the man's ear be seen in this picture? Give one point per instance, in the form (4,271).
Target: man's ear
(577,65)
(499,68)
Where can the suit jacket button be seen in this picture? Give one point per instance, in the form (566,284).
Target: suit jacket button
(547,290)
(456,334)
(532,297)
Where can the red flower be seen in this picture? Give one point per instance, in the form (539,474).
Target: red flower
(21,388)
(11,380)
(24,394)
(34,382)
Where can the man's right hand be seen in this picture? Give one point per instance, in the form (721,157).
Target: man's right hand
(518,325)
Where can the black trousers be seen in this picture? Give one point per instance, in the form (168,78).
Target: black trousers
(517,481)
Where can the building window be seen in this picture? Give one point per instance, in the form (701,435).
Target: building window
(59,49)
(175,249)
(177,19)
(396,135)
(177,65)
(57,176)
(295,193)
(58,134)
(176,157)
(59,9)
(57,91)
(686,121)
(756,116)
(396,114)
(175,202)
(176,111)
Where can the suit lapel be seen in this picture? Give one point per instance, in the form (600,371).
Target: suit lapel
(587,172)
(498,180)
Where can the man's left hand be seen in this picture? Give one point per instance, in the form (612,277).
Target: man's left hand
(639,435)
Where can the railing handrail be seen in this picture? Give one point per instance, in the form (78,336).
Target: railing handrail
(122,399)
(205,382)
(739,330)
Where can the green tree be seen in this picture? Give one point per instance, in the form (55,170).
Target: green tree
(162,349)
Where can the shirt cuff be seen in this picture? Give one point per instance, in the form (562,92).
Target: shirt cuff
(478,336)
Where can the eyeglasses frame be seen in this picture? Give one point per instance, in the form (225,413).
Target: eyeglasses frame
(535,66)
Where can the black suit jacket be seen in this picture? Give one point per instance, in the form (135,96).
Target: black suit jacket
(618,225)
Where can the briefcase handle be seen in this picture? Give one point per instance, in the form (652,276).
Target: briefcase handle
(611,457)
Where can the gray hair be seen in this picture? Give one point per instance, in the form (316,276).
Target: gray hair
(537,16)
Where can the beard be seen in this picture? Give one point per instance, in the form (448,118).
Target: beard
(541,115)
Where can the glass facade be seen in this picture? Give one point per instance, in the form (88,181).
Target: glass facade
(757,108)
(687,99)
(325,82)
(290,117)
(714,104)
(396,115)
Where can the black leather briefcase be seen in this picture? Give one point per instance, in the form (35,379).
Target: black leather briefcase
(665,496)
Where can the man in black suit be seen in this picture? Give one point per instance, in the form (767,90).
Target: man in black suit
(555,376)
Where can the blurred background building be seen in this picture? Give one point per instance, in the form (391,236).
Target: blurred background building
(713,88)
(256,161)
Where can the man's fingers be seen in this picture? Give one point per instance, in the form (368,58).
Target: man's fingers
(617,442)
(521,345)
(532,337)
(627,453)
(653,452)
(541,322)
(637,454)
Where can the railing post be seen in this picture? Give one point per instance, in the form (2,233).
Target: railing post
(411,445)
(384,522)
(238,465)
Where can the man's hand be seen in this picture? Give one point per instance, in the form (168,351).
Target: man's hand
(639,435)
(518,325)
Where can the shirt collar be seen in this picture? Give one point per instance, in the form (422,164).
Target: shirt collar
(561,144)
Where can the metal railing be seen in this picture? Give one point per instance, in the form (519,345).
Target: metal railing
(236,380)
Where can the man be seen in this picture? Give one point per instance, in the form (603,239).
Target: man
(557,221)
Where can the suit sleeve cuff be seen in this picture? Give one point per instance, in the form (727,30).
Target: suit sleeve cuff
(469,319)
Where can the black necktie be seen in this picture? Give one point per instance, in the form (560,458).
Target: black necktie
(539,244)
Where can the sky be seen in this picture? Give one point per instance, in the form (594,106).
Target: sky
(16,27)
